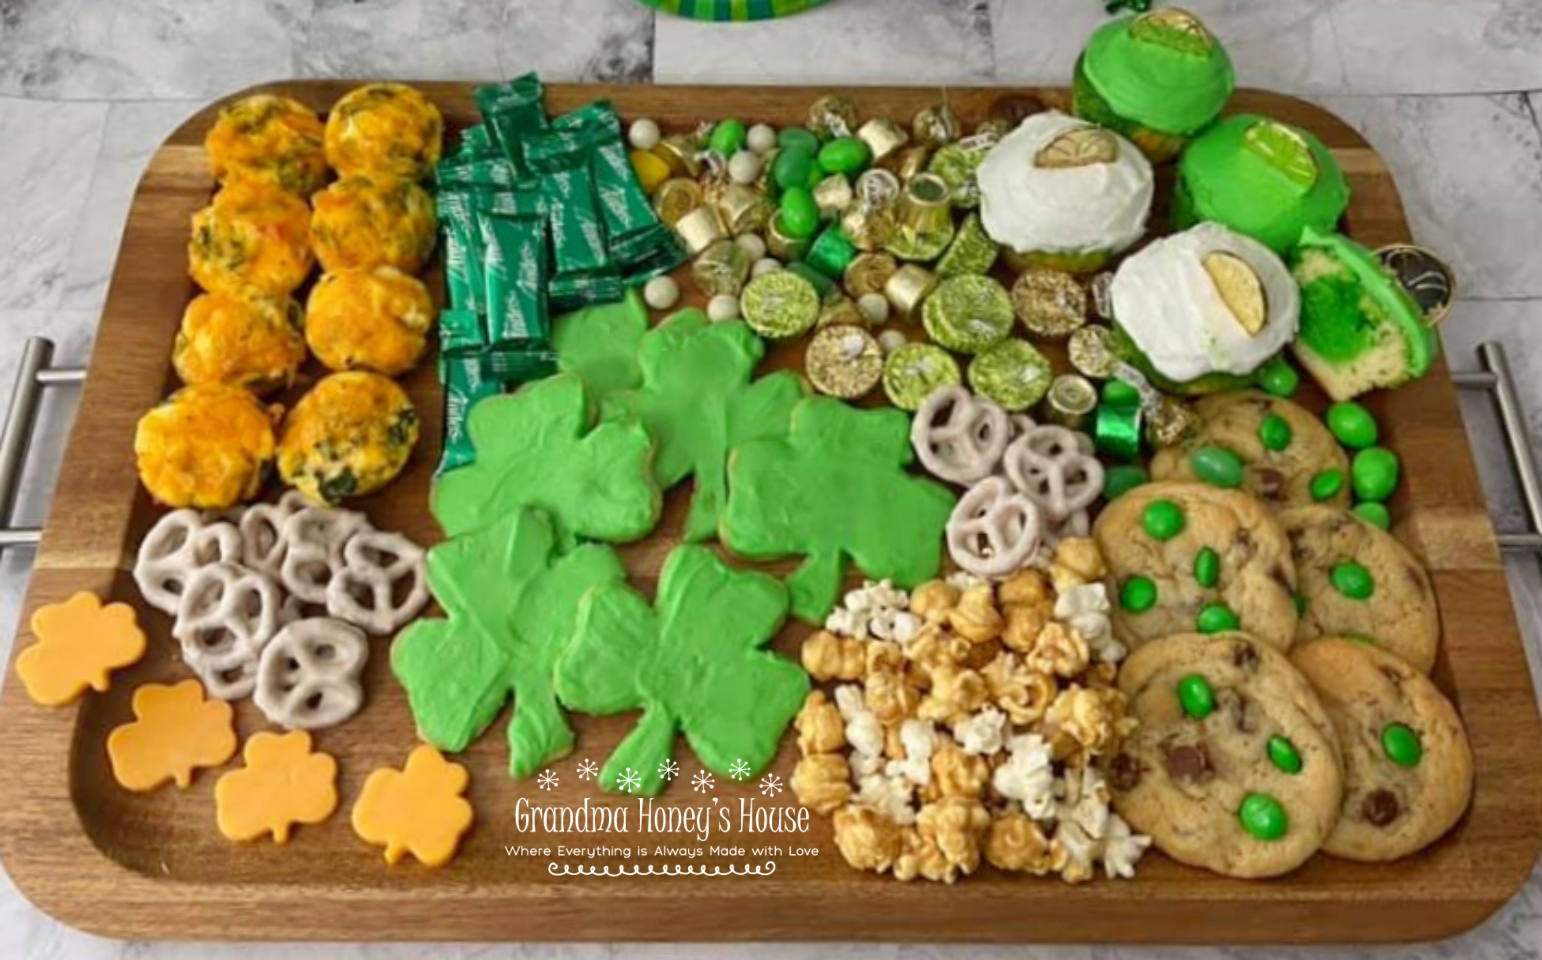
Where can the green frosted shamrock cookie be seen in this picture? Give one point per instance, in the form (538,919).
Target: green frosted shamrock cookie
(835,487)
(535,448)
(512,602)
(599,345)
(698,401)
(692,661)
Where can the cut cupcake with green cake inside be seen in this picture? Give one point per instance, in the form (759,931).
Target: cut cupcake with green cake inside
(1262,178)
(1359,328)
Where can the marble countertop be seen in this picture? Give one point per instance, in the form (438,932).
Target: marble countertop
(1447,90)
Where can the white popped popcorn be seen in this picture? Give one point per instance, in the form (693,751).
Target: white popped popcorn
(893,796)
(877,609)
(1086,608)
(863,731)
(1083,800)
(1122,848)
(1028,776)
(917,737)
(983,733)
(1080,850)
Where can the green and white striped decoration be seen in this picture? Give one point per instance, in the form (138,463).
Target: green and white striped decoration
(732,9)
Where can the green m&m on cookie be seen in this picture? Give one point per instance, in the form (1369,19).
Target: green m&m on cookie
(1216,618)
(1217,466)
(1401,745)
(1374,473)
(1196,696)
(916,371)
(1121,478)
(1138,594)
(1284,755)
(1352,580)
(1162,519)
(1279,378)
(1263,817)
(1207,567)
(1274,432)
(1326,484)
(1375,514)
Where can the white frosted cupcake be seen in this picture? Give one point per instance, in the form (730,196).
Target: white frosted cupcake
(1061,192)
(1203,309)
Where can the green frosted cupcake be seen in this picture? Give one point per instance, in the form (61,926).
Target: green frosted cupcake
(1262,178)
(1359,328)
(1158,78)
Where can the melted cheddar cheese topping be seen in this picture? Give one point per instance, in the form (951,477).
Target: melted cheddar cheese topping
(251,339)
(369,319)
(252,235)
(207,446)
(384,129)
(361,223)
(351,435)
(269,139)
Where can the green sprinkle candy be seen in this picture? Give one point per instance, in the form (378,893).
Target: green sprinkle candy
(1138,594)
(1279,378)
(1275,433)
(1374,472)
(1375,514)
(1282,753)
(1120,479)
(1195,695)
(1352,580)
(1263,817)
(1217,466)
(1327,484)
(1207,567)
(1163,519)
(1401,744)
(1352,425)
(1216,618)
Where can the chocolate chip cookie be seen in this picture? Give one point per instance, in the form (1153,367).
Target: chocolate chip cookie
(1235,766)
(1285,453)
(1356,580)
(1188,556)
(1407,764)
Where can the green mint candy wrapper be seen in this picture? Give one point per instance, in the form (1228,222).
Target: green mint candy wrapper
(465,383)
(489,171)
(461,332)
(476,142)
(512,366)
(623,204)
(512,112)
(561,158)
(515,273)
(462,254)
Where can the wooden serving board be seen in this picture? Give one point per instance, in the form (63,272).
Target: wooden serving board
(154,866)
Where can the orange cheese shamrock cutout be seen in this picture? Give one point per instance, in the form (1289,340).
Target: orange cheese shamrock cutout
(283,784)
(418,810)
(175,731)
(79,642)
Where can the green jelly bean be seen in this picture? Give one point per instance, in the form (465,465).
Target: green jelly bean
(1375,514)
(798,137)
(1283,754)
(1117,393)
(1327,484)
(799,213)
(1195,695)
(1374,473)
(1163,519)
(727,138)
(1217,466)
(1263,817)
(1352,580)
(792,167)
(1401,744)
(1122,478)
(1352,425)
(1207,567)
(846,155)
(1216,618)
(816,176)
(1138,594)
(1275,433)
(1279,378)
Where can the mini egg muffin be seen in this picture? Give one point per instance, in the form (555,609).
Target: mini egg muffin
(249,339)
(207,446)
(252,235)
(369,319)
(269,139)
(363,222)
(384,129)
(349,436)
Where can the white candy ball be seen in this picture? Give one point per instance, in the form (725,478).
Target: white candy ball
(644,134)
(765,266)
(752,245)
(891,340)
(875,307)
(724,306)
(761,138)
(744,167)
(661,293)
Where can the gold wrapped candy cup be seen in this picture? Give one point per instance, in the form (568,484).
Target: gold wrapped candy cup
(869,273)
(783,245)
(700,228)
(744,209)
(884,138)
(908,287)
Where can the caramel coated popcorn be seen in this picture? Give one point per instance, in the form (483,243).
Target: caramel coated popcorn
(822,782)
(1018,844)
(821,729)
(829,657)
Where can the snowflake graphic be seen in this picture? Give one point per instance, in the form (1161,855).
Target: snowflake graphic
(587,769)
(703,782)
(739,770)
(771,785)
(669,769)
(629,780)
(547,780)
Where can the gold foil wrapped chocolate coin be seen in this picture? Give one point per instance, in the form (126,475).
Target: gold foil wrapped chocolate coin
(844,361)
(884,138)
(907,288)
(1092,352)
(936,126)
(831,116)
(676,198)
(1426,277)
(700,228)
(721,268)
(869,273)
(1050,303)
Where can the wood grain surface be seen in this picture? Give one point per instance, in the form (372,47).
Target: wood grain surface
(154,866)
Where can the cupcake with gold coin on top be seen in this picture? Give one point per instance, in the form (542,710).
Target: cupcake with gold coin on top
(350,435)
(1158,78)
(270,139)
(208,446)
(1061,192)
(363,222)
(384,130)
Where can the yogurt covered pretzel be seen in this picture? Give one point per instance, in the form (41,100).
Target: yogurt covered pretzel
(1052,466)
(364,591)
(180,543)
(314,538)
(262,533)
(994,529)
(309,675)
(958,436)
(227,615)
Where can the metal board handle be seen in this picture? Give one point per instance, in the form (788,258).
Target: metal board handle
(1495,378)
(32,376)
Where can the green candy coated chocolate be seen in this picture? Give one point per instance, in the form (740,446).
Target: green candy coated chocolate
(1195,695)
(846,155)
(1274,432)
(1216,618)
(799,213)
(1013,374)
(1279,378)
(792,167)
(1374,473)
(1352,425)
(1375,514)
(727,138)
(1327,484)
(1263,817)
(798,137)
(968,314)
(1138,594)
(1402,744)
(1122,478)
(1283,754)
(1163,519)
(1117,393)
(1217,466)
(1207,567)
(1352,580)
(916,371)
